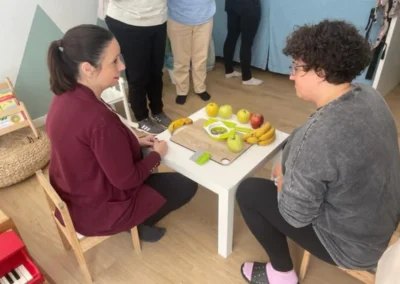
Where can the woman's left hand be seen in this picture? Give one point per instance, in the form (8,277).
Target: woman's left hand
(278,176)
(147,141)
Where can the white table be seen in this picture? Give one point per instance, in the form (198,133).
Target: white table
(221,179)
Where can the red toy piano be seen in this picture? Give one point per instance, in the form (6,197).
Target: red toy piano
(16,266)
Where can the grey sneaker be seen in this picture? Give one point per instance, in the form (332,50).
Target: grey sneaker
(149,126)
(162,119)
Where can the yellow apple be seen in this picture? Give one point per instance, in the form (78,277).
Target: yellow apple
(225,111)
(243,116)
(235,143)
(212,109)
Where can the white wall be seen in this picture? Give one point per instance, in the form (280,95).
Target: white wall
(15,22)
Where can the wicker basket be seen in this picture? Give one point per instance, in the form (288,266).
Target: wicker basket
(21,155)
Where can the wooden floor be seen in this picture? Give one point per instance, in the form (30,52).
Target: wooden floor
(188,252)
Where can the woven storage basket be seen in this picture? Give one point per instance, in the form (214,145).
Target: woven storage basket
(21,155)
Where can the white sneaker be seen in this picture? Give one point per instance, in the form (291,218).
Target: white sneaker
(233,74)
(253,82)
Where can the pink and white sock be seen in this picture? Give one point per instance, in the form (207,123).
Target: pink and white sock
(274,276)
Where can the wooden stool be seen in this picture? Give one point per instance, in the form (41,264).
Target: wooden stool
(367,277)
(69,237)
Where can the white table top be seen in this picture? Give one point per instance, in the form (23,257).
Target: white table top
(212,175)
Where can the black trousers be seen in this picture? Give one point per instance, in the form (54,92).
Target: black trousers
(258,203)
(245,23)
(143,50)
(175,188)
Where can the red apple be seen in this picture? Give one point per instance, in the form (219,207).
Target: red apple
(256,120)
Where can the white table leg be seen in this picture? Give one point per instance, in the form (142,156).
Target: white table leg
(226,203)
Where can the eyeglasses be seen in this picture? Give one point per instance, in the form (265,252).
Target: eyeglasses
(293,68)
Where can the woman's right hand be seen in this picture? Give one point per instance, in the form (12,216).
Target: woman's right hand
(161,147)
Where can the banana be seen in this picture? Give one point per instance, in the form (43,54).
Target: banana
(252,140)
(263,129)
(177,123)
(267,142)
(268,134)
(247,135)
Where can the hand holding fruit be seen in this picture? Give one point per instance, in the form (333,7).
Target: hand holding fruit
(161,147)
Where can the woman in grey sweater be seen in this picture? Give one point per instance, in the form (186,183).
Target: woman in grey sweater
(337,191)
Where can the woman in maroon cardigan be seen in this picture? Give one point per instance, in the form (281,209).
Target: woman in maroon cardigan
(96,163)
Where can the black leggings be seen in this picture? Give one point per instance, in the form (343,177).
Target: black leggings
(143,50)
(258,202)
(245,23)
(175,188)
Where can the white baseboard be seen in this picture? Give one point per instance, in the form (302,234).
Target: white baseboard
(40,121)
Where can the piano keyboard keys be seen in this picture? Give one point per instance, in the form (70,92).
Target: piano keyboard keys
(19,275)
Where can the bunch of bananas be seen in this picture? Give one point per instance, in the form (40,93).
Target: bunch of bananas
(262,136)
(177,123)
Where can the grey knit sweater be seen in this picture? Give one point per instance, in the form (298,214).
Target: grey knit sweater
(342,175)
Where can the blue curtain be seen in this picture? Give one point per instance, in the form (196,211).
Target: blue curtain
(279,17)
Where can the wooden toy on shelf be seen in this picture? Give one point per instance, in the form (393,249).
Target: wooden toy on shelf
(13,113)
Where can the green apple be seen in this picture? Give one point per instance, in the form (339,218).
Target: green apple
(243,116)
(212,109)
(225,111)
(235,143)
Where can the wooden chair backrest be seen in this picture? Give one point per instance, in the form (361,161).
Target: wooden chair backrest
(55,202)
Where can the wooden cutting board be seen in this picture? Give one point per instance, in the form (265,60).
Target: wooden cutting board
(194,137)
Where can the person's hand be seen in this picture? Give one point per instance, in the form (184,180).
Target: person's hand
(278,176)
(277,171)
(279,183)
(147,141)
(161,147)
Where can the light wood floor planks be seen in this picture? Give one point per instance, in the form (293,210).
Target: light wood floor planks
(188,252)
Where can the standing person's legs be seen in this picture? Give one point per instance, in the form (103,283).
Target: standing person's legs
(234,27)
(200,46)
(257,199)
(249,26)
(181,45)
(155,86)
(135,47)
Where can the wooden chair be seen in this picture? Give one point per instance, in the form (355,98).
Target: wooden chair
(19,108)
(69,237)
(367,277)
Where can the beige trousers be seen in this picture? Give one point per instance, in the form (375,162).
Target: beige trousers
(190,44)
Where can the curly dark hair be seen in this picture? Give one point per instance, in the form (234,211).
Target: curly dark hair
(333,49)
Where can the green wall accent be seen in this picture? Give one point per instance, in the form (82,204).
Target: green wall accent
(32,84)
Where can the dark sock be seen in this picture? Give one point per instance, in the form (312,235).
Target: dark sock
(204,96)
(150,234)
(180,100)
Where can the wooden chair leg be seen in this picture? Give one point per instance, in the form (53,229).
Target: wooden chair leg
(82,263)
(135,239)
(304,265)
(64,240)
